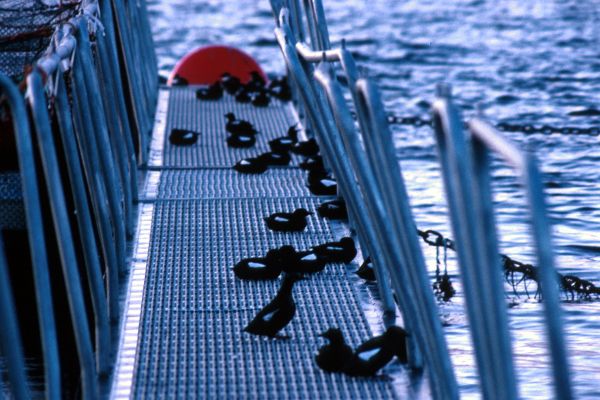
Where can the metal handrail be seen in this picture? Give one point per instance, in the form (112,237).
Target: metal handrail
(96,181)
(466,172)
(84,222)
(477,251)
(377,139)
(36,99)
(398,239)
(486,138)
(101,148)
(103,144)
(369,194)
(35,234)
(331,147)
(11,347)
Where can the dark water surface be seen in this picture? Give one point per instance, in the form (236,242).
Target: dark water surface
(521,62)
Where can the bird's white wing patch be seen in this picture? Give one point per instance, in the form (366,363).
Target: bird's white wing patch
(367,354)
(269,316)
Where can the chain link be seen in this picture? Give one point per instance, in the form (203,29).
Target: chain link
(527,129)
(516,272)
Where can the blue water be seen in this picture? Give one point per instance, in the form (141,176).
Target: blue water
(522,61)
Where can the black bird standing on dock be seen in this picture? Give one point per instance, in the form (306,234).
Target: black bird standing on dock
(377,352)
(213,92)
(179,81)
(321,184)
(256,83)
(307,148)
(282,144)
(241,141)
(313,164)
(333,209)
(280,89)
(252,165)
(392,341)
(288,222)
(366,271)
(275,158)
(243,96)
(230,83)
(292,132)
(259,268)
(278,313)
(183,137)
(342,251)
(334,356)
(239,126)
(301,262)
(261,99)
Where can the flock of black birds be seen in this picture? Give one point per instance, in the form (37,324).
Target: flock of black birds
(295,265)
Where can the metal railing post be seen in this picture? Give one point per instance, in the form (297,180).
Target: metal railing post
(484,137)
(35,234)
(11,347)
(373,202)
(85,225)
(380,150)
(103,142)
(318,116)
(35,95)
(482,282)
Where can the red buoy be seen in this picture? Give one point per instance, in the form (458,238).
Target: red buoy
(205,65)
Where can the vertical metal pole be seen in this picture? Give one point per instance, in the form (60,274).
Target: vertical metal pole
(84,221)
(35,94)
(548,280)
(342,169)
(380,149)
(474,231)
(98,192)
(35,234)
(10,337)
(103,143)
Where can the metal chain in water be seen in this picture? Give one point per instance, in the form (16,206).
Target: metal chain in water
(506,127)
(516,272)
(442,287)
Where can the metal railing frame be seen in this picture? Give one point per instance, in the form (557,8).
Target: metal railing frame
(102,141)
(11,347)
(378,143)
(35,97)
(377,237)
(84,132)
(84,221)
(395,227)
(332,149)
(466,172)
(96,136)
(35,234)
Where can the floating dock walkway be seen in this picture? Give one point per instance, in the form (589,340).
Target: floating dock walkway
(186,310)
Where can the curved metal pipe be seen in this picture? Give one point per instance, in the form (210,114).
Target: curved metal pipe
(35,234)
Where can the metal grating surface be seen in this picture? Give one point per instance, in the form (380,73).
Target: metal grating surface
(192,344)
(12,212)
(208,118)
(218,183)
(206,217)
